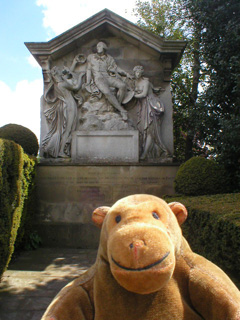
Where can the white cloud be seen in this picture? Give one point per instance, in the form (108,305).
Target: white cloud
(22,106)
(59,16)
(31,60)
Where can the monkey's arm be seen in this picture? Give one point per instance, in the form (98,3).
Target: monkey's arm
(74,301)
(212,292)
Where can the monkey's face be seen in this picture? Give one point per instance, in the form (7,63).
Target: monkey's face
(140,239)
(140,250)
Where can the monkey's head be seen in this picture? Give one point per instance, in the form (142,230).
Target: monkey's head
(140,239)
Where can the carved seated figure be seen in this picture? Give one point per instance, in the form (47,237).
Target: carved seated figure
(102,68)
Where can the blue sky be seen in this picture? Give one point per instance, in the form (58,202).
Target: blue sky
(20,21)
(36,21)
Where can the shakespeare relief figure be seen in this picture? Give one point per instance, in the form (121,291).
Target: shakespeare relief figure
(101,89)
(150,111)
(62,115)
(103,72)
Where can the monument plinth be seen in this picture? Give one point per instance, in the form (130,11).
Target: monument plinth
(106,101)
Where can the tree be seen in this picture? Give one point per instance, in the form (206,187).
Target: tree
(207,122)
(171,19)
(220,31)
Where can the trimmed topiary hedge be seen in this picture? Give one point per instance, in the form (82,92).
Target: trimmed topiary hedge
(26,236)
(213,229)
(200,176)
(22,136)
(15,168)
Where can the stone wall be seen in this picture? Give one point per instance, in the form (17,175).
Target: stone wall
(68,195)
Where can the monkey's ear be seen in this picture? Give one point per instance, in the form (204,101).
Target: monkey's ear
(99,215)
(179,210)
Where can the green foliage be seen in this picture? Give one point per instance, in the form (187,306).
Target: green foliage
(171,19)
(22,136)
(227,147)
(11,163)
(200,176)
(162,18)
(25,232)
(220,25)
(15,166)
(209,117)
(213,229)
(34,241)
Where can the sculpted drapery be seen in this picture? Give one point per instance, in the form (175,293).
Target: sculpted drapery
(62,115)
(150,111)
(105,84)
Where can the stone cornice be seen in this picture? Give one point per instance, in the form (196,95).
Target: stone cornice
(105,19)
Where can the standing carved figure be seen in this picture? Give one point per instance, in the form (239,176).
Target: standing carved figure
(103,70)
(62,115)
(150,113)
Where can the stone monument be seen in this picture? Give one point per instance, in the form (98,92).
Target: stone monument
(106,119)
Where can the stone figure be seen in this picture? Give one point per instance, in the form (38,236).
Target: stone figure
(150,111)
(104,72)
(62,115)
(103,79)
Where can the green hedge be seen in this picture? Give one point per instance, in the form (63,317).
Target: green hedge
(26,236)
(200,176)
(22,136)
(213,229)
(15,170)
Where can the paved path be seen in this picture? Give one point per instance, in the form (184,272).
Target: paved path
(35,277)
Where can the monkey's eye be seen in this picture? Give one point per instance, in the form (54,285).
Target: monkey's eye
(155,215)
(118,218)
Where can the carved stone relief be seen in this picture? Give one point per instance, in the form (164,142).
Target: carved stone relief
(97,99)
(150,110)
(98,93)
(92,84)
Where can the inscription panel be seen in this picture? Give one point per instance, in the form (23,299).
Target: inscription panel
(105,146)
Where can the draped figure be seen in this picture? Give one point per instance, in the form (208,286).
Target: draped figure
(150,113)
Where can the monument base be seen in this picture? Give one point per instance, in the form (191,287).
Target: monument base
(68,194)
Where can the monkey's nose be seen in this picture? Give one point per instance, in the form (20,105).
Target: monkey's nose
(137,244)
(137,248)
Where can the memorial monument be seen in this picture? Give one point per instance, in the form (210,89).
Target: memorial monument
(106,116)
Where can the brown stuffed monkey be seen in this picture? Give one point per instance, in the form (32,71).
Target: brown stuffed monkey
(145,270)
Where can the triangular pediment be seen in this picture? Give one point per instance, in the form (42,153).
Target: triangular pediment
(103,24)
